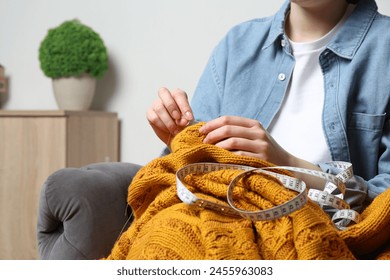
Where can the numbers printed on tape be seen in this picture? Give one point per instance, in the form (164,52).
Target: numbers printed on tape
(341,218)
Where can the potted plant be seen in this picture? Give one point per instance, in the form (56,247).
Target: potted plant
(74,56)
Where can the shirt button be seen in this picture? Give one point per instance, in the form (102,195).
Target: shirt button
(283,43)
(282,77)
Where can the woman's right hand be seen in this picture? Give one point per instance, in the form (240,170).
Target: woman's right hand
(169,114)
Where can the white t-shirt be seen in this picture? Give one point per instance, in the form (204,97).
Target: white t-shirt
(298,125)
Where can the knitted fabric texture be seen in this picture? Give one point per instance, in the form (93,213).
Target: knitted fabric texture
(164,228)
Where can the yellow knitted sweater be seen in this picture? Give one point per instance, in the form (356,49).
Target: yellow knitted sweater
(165,228)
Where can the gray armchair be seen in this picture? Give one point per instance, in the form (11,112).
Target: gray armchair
(83,210)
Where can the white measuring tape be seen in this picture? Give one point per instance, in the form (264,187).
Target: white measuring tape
(341,218)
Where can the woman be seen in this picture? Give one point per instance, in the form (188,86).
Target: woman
(304,87)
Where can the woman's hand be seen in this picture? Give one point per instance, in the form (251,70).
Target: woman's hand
(245,137)
(248,137)
(169,113)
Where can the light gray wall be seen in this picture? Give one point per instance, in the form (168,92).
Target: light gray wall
(151,43)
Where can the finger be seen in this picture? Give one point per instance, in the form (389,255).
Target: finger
(230,131)
(155,121)
(229,120)
(183,122)
(181,100)
(160,128)
(169,103)
(245,145)
(159,117)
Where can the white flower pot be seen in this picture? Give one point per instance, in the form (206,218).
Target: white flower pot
(74,93)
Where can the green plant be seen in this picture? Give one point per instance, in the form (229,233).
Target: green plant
(72,49)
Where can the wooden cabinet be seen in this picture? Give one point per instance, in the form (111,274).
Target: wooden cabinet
(34,144)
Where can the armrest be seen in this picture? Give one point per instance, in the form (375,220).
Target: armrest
(83,210)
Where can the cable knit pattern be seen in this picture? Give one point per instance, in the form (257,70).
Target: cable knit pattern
(165,228)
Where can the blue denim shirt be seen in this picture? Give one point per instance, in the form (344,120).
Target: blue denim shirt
(248,73)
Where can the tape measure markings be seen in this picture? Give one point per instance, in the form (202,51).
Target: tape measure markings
(341,218)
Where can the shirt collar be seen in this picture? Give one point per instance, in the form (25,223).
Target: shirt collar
(346,41)
(277,27)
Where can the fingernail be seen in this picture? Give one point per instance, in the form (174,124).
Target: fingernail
(189,115)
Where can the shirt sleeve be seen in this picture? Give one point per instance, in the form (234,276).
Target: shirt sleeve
(207,98)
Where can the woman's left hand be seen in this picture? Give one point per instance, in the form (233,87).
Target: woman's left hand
(248,137)
(245,137)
